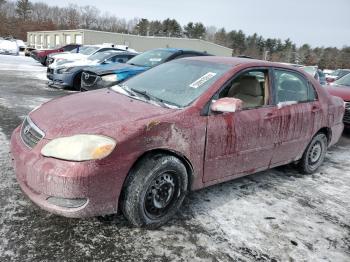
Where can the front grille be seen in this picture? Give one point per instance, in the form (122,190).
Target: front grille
(30,133)
(347,113)
(88,78)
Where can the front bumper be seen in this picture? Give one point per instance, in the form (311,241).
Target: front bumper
(64,80)
(97,182)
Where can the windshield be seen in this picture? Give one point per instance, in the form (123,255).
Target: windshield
(101,56)
(178,83)
(344,81)
(151,58)
(75,50)
(88,50)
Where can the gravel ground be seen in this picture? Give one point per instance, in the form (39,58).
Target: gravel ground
(276,215)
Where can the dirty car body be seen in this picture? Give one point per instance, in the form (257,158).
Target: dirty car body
(157,114)
(100,77)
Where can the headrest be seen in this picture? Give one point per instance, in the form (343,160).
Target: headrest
(250,86)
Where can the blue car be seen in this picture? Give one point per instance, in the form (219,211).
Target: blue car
(97,77)
(68,75)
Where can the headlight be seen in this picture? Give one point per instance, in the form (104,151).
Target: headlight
(64,70)
(79,147)
(110,78)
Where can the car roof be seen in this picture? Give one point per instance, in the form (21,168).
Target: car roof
(181,49)
(234,61)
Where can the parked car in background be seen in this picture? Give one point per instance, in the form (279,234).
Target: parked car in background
(321,77)
(28,50)
(69,74)
(315,73)
(180,126)
(96,78)
(341,88)
(21,45)
(83,53)
(327,72)
(41,55)
(339,73)
(8,47)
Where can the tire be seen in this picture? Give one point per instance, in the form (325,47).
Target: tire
(314,154)
(44,61)
(154,191)
(77,82)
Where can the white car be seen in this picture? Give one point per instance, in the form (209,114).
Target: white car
(8,47)
(84,52)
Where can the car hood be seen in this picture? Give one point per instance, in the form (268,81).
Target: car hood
(70,56)
(84,62)
(95,112)
(115,68)
(59,53)
(340,91)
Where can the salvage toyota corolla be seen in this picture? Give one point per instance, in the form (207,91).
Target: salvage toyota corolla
(139,147)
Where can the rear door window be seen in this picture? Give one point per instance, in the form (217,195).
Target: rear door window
(292,87)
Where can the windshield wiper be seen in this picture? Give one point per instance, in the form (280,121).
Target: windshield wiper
(135,64)
(125,88)
(148,96)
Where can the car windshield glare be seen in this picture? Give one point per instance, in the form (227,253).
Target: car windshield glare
(179,82)
(88,50)
(151,58)
(344,81)
(101,56)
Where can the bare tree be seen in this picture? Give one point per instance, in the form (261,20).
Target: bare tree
(89,16)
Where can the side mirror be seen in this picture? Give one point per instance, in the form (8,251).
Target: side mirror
(226,105)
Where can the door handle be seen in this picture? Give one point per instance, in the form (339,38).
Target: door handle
(269,115)
(315,109)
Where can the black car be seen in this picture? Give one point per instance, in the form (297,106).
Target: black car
(100,77)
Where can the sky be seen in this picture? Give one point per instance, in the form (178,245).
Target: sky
(316,22)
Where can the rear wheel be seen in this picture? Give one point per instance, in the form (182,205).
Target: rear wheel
(314,154)
(154,191)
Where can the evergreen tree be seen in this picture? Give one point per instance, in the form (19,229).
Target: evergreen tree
(23,9)
(142,27)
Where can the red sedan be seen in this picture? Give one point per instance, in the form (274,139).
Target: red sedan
(184,125)
(41,55)
(341,88)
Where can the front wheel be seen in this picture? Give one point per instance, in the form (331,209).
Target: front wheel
(314,154)
(77,82)
(154,191)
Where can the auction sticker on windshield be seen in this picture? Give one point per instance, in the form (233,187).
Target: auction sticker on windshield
(200,81)
(155,59)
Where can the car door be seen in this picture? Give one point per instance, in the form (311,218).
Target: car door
(243,141)
(298,108)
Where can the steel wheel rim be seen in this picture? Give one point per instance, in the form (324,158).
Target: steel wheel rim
(315,153)
(161,194)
